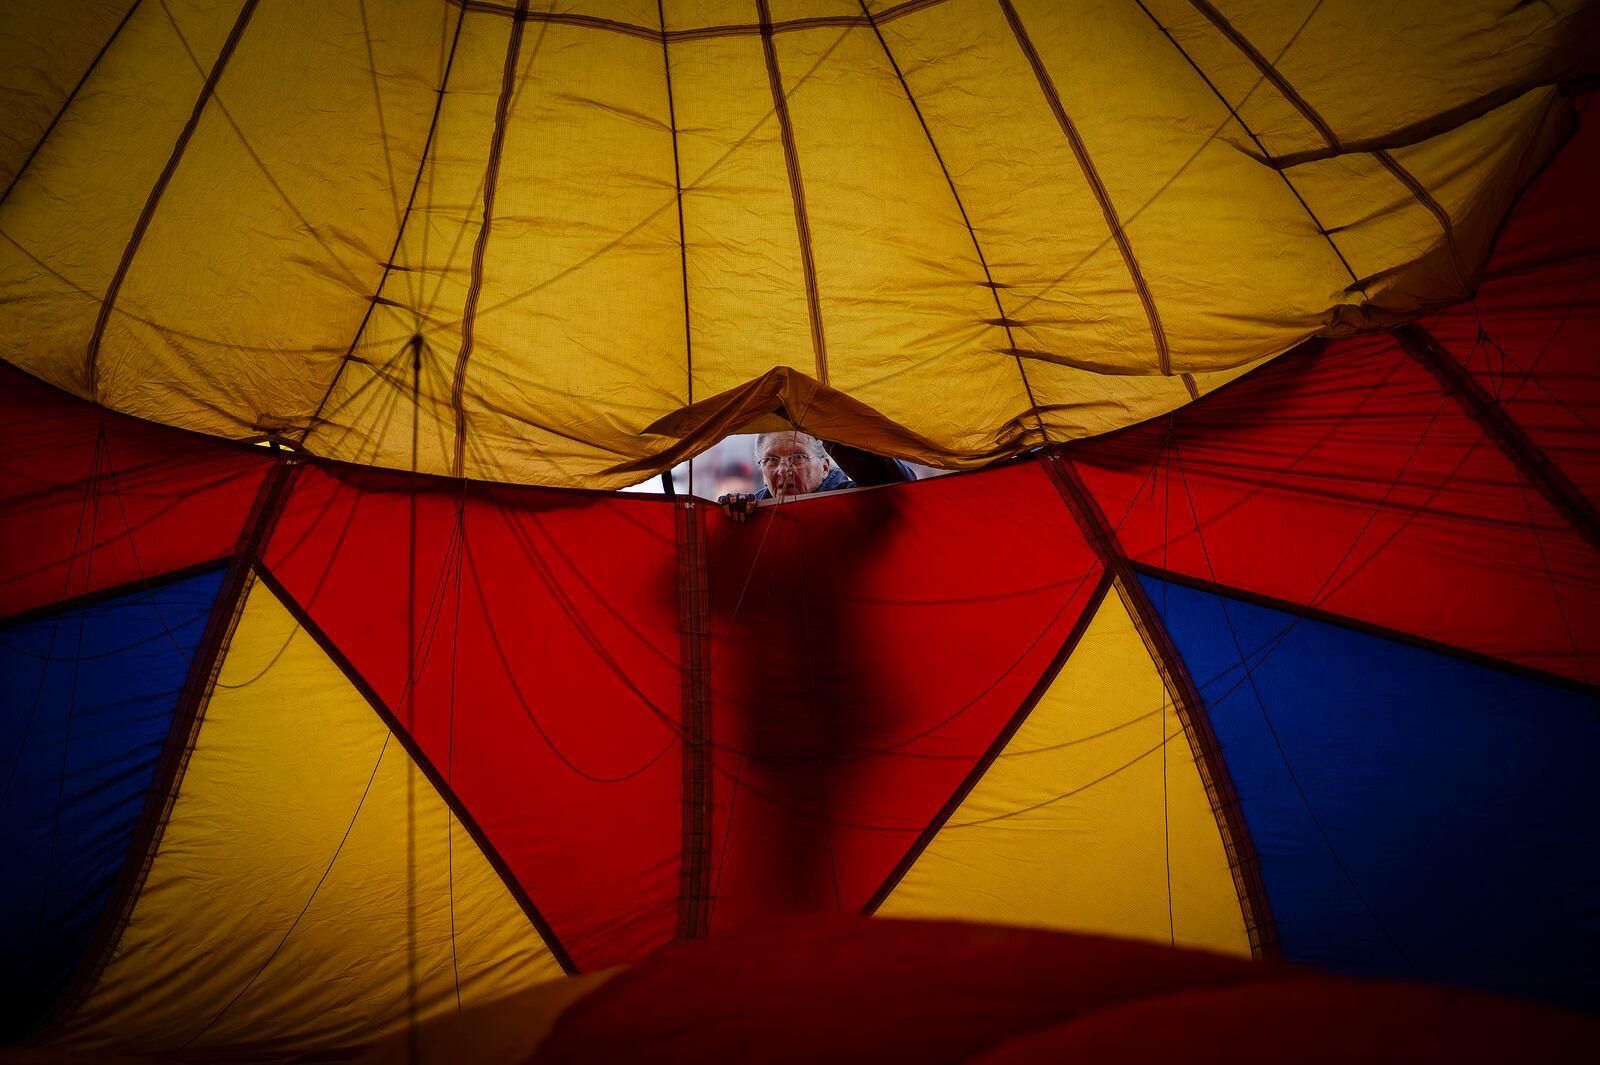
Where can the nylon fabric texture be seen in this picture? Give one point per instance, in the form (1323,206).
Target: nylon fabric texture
(91,692)
(1259,613)
(91,505)
(860,678)
(1367,746)
(1093,818)
(526,208)
(1343,478)
(250,921)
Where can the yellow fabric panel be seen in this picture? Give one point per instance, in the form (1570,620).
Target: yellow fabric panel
(289,760)
(700,14)
(47,47)
(1434,60)
(747,296)
(578,295)
(783,11)
(582,295)
(1019,181)
(690,15)
(1166,197)
(1080,403)
(1075,824)
(368,414)
(65,224)
(903,302)
(279,164)
(1511,143)
(591,317)
(1391,238)
(642,13)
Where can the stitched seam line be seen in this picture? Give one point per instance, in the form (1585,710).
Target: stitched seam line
(388,267)
(797,194)
(1268,71)
(696,33)
(1092,176)
(988,277)
(677,183)
(1321,229)
(71,96)
(1420,193)
(469,316)
(1529,459)
(91,366)
(1243,861)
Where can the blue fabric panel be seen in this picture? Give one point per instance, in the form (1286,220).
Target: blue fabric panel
(1417,816)
(89,695)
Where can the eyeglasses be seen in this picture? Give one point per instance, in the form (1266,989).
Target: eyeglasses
(773,462)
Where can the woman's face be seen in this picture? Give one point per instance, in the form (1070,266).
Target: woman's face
(789,466)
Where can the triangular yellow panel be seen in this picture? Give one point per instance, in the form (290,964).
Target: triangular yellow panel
(309,877)
(1083,822)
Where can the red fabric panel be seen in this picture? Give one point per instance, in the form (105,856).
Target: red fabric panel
(844,989)
(1344,478)
(77,517)
(868,648)
(1311,1022)
(1554,220)
(1539,308)
(548,690)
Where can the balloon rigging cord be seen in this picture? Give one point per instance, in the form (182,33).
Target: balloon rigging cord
(1485,341)
(1167,447)
(1328,588)
(411,706)
(534,556)
(1555,590)
(1251,55)
(419,655)
(72,698)
(527,706)
(1262,705)
(66,103)
(446,63)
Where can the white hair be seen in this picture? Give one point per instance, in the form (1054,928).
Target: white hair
(813,445)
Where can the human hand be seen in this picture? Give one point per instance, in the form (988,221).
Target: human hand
(738,505)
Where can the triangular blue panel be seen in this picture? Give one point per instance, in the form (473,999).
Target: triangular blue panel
(1417,815)
(89,696)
